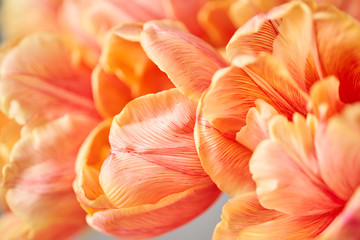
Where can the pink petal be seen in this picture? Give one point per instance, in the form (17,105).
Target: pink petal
(338,151)
(286,170)
(41,171)
(188,61)
(35,87)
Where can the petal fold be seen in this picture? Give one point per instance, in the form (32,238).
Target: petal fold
(188,61)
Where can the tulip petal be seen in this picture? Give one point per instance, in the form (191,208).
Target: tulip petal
(110,94)
(9,134)
(188,61)
(41,171)
(256,129)
(223,109)
(290,227)
(120,53)
(287,33)
(325,99)
(346,225)
(153,153)
(214,18)
(150,220)
(240,212)
(339,53)
(340,163)
(34,86)
(286,163)
(90,158)
(225,160)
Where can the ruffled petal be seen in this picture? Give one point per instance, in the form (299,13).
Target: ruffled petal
(339,53)
(150,220)
(34,86)
(153,153)
(188,61)
(9,135)
(123,56)
(223,109)
(286,163)
(256,129)
(286,32)
(340,163)
(239,213)
(346,225)
(40,173)
(325,99)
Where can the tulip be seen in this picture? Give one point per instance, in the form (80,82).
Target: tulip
(276,57)
(152,181)
(53,104)
(288,61)
(307,184)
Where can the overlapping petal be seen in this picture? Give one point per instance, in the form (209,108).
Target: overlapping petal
(40,172)
(152,173)
(188,61)
(31,71)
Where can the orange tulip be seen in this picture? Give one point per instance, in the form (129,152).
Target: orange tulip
(276,57)
(54,104)
(153,181)
(307,182)
(298,58)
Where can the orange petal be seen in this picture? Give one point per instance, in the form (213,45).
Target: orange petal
(188,61)
(34,86)
(289,227)
(224,159)
(90,158)
(256,129)
(215,20)
(239,213)
(287,33)
(9,134)
(286,163)
(223,109)
(241,11)
(150,220)
(110,94)
(40,173)
(339,52)
(145,164)
(346,225)
(12,227)
(340,163)
(325,100)
(123,55)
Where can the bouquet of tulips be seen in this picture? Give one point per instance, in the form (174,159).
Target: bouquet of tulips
(131,117)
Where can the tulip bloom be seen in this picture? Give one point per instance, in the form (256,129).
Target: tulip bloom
(281,62)
(153,181)
(53,103)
